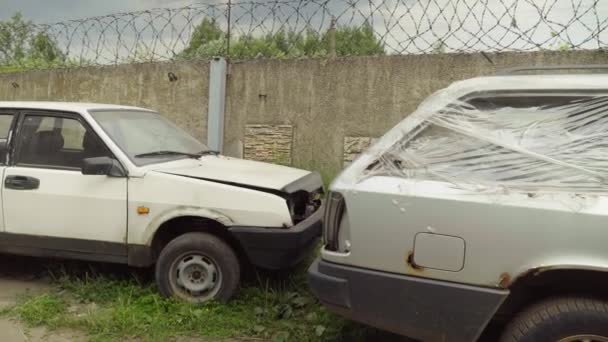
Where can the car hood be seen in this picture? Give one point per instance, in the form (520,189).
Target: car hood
(240,172)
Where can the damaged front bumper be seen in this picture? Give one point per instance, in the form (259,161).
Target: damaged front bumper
(279,248)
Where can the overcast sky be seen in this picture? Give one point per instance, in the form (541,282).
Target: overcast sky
(44,11)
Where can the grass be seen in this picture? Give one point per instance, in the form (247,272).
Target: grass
(327,173)
(44,309)
(110,306)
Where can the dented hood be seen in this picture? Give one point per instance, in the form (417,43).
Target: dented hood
(239,172)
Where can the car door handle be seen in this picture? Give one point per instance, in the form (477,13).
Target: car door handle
(21,183)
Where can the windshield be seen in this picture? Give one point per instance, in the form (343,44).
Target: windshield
(147,137)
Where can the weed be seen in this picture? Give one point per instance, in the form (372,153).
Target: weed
(273,306)
(327,172)
(46,309)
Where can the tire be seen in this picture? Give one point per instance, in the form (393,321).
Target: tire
(560,319)
(198,267)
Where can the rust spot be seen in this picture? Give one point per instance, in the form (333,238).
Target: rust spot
(410,261)
(533,272)
(505,280)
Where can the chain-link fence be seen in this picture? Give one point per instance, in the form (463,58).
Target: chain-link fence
(307,28)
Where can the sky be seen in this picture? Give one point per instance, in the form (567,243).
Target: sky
(45,11)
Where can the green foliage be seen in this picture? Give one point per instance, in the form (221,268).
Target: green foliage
(22,47)
(13,37)
(39,63)
(280,157)
(110,308)
(209,40)
(356,41)
(564,46)
(45,309)
(439,47)
(42,47)
(328,173)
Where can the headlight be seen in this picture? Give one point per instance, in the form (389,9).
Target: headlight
(334,210)
(302,204)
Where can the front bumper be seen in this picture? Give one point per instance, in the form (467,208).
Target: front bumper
(419,308)
(278,248)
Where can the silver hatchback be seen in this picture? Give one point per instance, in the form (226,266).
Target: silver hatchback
(489,203)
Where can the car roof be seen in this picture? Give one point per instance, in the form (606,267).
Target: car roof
(65,106)
(555,82)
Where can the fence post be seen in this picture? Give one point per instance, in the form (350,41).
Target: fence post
(228,31)
(217,100)
(332,39)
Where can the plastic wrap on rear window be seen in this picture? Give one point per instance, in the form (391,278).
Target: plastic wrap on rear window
(509,142)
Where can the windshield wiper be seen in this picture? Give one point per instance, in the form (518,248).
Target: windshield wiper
(165,153)
(207,152)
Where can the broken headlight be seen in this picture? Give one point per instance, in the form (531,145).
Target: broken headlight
(303,204)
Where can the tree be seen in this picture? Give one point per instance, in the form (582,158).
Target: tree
(43,47)
(22,45)
(356,41)
(209,40)
(13,38)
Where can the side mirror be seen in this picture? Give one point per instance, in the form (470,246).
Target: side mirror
(102,166)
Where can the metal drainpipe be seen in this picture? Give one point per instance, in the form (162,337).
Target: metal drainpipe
(217,100)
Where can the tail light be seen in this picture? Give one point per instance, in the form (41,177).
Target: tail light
(334,210)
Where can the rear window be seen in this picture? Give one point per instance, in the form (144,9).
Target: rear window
(529,143)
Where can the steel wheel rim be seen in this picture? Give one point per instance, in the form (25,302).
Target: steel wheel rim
(195,277)
(584,338)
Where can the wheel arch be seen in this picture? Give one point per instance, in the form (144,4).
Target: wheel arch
(183,211)
(540,283)
(179,225)
(560,276)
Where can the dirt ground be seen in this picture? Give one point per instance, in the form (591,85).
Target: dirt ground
(20,276)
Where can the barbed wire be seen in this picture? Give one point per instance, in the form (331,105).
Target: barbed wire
(301,28)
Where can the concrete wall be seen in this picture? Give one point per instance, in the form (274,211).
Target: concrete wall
(330,102)
(146,85)
(329,108)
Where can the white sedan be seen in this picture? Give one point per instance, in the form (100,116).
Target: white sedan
(123,184)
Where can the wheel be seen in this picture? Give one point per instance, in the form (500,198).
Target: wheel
(198,267)
(567,319)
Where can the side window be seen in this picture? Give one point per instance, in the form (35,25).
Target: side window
(57,142)
(73,134)
(6,120)
(528,143)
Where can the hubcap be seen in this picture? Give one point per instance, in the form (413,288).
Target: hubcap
(195,277)
(585,338)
